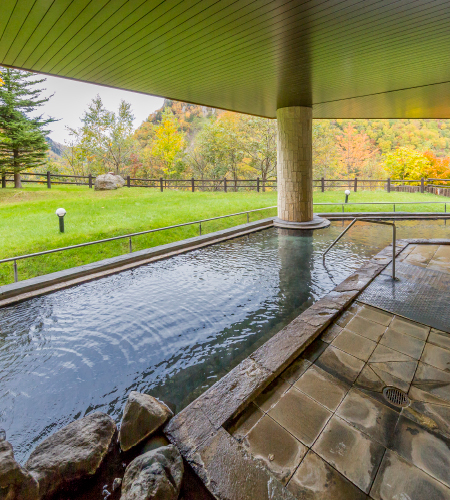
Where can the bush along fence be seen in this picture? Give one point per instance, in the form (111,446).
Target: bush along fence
(225,185)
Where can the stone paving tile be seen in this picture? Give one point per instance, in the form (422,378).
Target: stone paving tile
(344,318)
(388,378)
(366,328)
(432,380)
(275,447)
(303,417)
(354,344)
(403,370)
(314,350)
(403,343)
(331,333)
(428,451)
(350,451)
(270,396)
(322,387)
(421,255)
(442,267)
(241,426)
(426,397)
(399,480)
(340,364)
(434,417)
(315,479)
(412,328)
(354,307)
(439,338)
(383,353)
(375,315)
(441,259)
(369,380)
(437,357)
(295,370)
(369,416)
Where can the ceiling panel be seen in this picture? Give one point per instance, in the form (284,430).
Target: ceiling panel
(345,58)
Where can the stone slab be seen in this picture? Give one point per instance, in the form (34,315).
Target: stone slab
(350,451)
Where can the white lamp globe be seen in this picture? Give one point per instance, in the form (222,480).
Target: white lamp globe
(347,192)
(61,212)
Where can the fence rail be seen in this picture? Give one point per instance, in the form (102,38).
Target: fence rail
(225,185)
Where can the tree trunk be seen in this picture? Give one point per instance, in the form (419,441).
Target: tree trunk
(3,180)
(17,181)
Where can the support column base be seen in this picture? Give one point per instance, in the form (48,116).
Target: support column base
(316,223)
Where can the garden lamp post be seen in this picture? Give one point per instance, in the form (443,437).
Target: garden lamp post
(347,194)
(61,213)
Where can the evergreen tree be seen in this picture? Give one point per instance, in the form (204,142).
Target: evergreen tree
(22,138)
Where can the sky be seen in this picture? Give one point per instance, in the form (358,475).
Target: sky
(71,98)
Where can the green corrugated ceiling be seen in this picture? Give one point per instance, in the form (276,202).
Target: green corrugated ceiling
(346,58)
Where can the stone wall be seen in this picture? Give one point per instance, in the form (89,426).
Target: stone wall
(295,164)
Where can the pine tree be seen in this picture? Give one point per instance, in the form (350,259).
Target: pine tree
(22,138)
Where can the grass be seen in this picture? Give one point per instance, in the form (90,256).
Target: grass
(28,222)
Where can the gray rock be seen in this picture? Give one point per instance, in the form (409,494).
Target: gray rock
(142,416)
(156,475)
(108,181)
(72,453)
(15,482)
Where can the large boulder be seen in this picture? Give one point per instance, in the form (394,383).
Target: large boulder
(156,475)
(108,181)
(142,416)
(72,453)
(15,482)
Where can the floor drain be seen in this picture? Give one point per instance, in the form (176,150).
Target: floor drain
(395,396)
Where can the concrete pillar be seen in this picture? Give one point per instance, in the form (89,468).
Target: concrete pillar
(294,170)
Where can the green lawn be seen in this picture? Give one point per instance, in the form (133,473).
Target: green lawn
(28,222)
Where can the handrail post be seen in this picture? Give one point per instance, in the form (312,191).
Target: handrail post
(200,229)
(257,184)
(193,184)
(225,185)
(49,181)
(161,184)
(16,274)
(322,182)
(128,181)
(356,185)
(248,220)
(90,181)
(394,243)
(389,185)
(422,185)
(130,245)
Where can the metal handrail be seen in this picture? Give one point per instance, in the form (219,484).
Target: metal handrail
(394,239)
(130,235)
(199,222)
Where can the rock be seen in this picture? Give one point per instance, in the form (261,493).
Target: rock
(117,483)
(153,476)
(72,453)
(15,482)
(108,181)
(142,416)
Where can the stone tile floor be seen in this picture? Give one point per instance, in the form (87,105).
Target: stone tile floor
(324,428)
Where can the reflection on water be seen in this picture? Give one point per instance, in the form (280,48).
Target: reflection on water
(171,328)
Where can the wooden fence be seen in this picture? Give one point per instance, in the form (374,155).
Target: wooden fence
(225,185)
